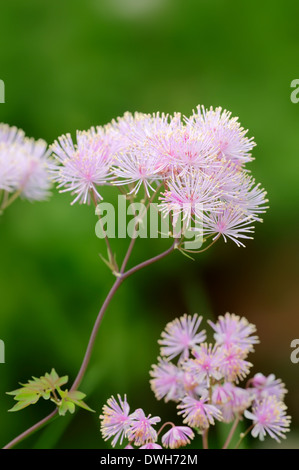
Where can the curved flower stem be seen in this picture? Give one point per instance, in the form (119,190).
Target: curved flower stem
(109,249)
(244,434)
(205,444)
(92,339)
(132,243)
(231,433)
(8,201)
(94,332)
(168,423)
(204,249)
(31,430)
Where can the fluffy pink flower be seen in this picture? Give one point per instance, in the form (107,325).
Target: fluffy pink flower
(177,436)
(233,366)
(231,400)
(230,223)
(9,172)
(184,149)
(240,189)
(262,386)
(269,417)
(151,445)
(23,164)
(206,364)
(231,329)
(141,428)
(80,168)
(228,135)
(197,413)
(115,420)
(138,168)
(10,135)
(180,336)
(189,195)
(167,381)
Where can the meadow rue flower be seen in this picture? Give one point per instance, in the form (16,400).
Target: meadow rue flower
(232,330)
(180,336)
(187,195)
(198,413)
(141,428)
(228,135)
(80,168)
(269,417)
(262,386)
(234,366)
(239,399)
(167,381)
(23,165)
(151,445)
(206,364)
(115,419)
(177,436)
(199,162)
(9,135)
(9,172)
(203,379)
(230,223)
(137,167)
(184,149)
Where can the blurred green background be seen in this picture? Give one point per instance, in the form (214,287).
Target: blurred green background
(70,64)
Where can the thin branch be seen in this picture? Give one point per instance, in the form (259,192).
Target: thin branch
(91,341)
(232,432)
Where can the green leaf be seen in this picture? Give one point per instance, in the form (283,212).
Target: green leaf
(76,395)
(63,407)
(83,405)
(36,388)
(20,405)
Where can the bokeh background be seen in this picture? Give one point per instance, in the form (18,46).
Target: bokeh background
(72,64)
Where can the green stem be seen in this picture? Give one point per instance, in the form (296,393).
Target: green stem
(244,434)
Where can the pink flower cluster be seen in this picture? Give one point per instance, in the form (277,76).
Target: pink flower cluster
(204,381)
(23,164)
(196,164)
(137,428)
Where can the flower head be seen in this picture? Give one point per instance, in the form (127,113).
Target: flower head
(115,420)
(141,428)
(206,364)
(167,381)
(233,366)
(232,330)
(228,135)
(23,164)
(180,336)
(80,168)
(231,400)
(197,413)
(269,417)
(262,386)
(151,445)
(189,195)
(177,436)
